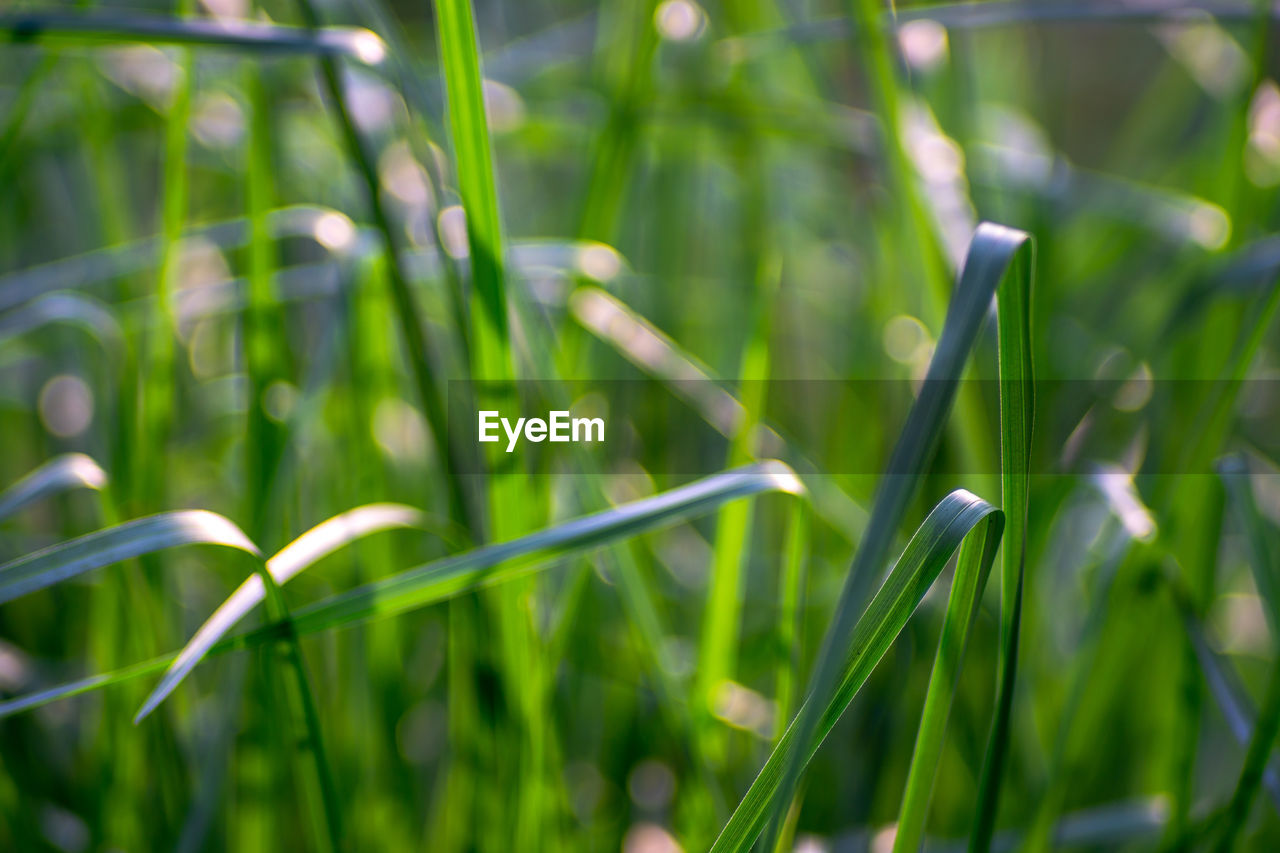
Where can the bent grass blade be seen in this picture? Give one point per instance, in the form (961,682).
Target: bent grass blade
(443,579)
(114,544)
(300,554)
(947,526)
(59,474)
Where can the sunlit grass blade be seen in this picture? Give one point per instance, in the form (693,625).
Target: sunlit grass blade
(928,551)
(301,553)
(114,544)
(443,579)
(991,252)
(116,26)
(59,474)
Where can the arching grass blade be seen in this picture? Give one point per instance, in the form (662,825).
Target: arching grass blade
(312,546)
(59,474)
(114,544)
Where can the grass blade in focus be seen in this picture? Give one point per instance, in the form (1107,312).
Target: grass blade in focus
(950,522)
(312,546)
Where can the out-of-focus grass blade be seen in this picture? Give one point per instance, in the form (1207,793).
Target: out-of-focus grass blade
(1231,696)
(987,264)
(70,308)
(1004,13)
(114,544)
(950,522)
(459,54)
(59,474)
(406,308)
(115,27)
(1234,471)
(307,549)
(1235,476)
(493,564)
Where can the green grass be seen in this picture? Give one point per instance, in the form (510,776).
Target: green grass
(259,590)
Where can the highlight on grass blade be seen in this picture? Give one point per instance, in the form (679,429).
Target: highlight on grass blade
(442,579)
(309,548)
(116,27)
(59,474)
(115,544)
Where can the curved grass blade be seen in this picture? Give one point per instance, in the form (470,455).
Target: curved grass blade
(59,474)
(950,523)
(114,544)
(446,578)
(493,564)
(312,546)
(115,27)
(972,568)
(1017,423)
(987,264)
(1231,696)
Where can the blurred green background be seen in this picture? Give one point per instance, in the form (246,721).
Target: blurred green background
(198,293)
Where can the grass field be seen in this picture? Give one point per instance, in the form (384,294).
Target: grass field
(938,500)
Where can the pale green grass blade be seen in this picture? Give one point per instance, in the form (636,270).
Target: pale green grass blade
(114,544)
(490,565)
(115,27)
(991,252)
(59,474)
(950,522)
(309,548)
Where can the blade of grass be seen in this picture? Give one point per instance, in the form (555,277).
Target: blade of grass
(991,252)
(492,564)
(1235,476)
(926,554)
(300,554)
(59,474)
(1017,423)
(972,567)
(114,544)
(117,26)
(407,313)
